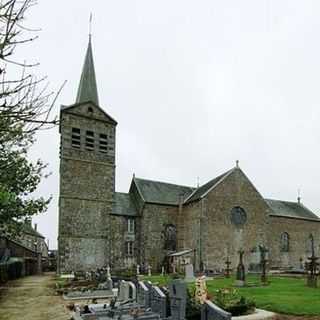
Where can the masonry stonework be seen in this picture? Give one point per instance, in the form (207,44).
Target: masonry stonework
(155,220)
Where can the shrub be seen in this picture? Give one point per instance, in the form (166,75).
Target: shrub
(193,309)
(229,300)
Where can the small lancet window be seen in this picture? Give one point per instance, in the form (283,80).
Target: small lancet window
(284,242)
(129,248)
(131,225)
(90,110)
(90,140)
(75,138)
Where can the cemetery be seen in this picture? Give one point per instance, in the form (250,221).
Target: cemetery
(232,293)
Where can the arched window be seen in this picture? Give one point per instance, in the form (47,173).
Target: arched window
(284,242)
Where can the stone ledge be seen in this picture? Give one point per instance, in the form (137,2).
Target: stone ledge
(259,314)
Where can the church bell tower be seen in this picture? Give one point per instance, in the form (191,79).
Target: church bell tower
(87,177)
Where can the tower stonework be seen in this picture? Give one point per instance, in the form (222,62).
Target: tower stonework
(87,178)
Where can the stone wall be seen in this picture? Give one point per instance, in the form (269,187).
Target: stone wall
(86,191)
(220,237)
(153,223)
(299,245)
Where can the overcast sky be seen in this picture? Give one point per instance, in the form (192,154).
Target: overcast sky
(194,86)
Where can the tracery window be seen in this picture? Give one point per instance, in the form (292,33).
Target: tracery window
(284,242)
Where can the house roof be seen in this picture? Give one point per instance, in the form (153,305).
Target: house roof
(123,205)
(28,229)
(291,210)
(161,192)
(205,188)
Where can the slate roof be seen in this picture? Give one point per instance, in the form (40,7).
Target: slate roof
(199,192)
(87,90)
(123,205)
(291,210)
(28,229)
(161,192)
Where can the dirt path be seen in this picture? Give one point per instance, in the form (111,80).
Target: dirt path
(31,298)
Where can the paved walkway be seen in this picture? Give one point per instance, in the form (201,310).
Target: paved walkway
(31,298)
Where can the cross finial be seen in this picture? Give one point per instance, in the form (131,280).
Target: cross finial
(198,182)
(237,163)
(299,195)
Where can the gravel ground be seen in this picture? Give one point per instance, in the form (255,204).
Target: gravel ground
(32,298)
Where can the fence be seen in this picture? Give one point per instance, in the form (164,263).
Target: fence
(10,270)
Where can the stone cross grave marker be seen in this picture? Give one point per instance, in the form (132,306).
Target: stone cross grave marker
(158,302)
(138,270)
(149,270)
(178,299)
(241,276)
(189,274)
(228,269)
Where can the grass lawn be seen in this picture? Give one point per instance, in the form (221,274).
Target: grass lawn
(283,295)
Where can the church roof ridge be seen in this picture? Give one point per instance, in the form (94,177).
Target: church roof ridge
(208,186)
(163,182)
(87,90)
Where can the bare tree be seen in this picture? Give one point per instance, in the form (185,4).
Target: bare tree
(25,102)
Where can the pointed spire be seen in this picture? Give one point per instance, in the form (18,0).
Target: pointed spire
(87,90)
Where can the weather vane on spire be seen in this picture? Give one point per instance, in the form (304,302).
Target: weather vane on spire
(90,25)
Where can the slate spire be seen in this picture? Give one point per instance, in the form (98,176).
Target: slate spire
(87,90)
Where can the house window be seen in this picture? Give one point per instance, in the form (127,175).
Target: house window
(75,138)
(130,225)
(90,140)
(284,242)
(129,248)
(103,143)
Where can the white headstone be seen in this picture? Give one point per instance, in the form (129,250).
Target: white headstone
(108,272)
(149,270)
(138,270)
(189,274)
(162,271)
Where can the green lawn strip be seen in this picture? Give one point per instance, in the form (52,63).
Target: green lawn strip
(283,295)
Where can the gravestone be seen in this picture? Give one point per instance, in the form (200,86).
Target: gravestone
(138,270)
(210,311)
(189,274)
(312,268)
(132,291)
(143,295)
(178,299)
(124,294)
(241,276)
(263,263)
(228,269)
(158,302)
(149,270)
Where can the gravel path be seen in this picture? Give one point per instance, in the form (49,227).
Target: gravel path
(32,298)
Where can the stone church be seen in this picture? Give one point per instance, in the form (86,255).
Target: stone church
(156,220)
